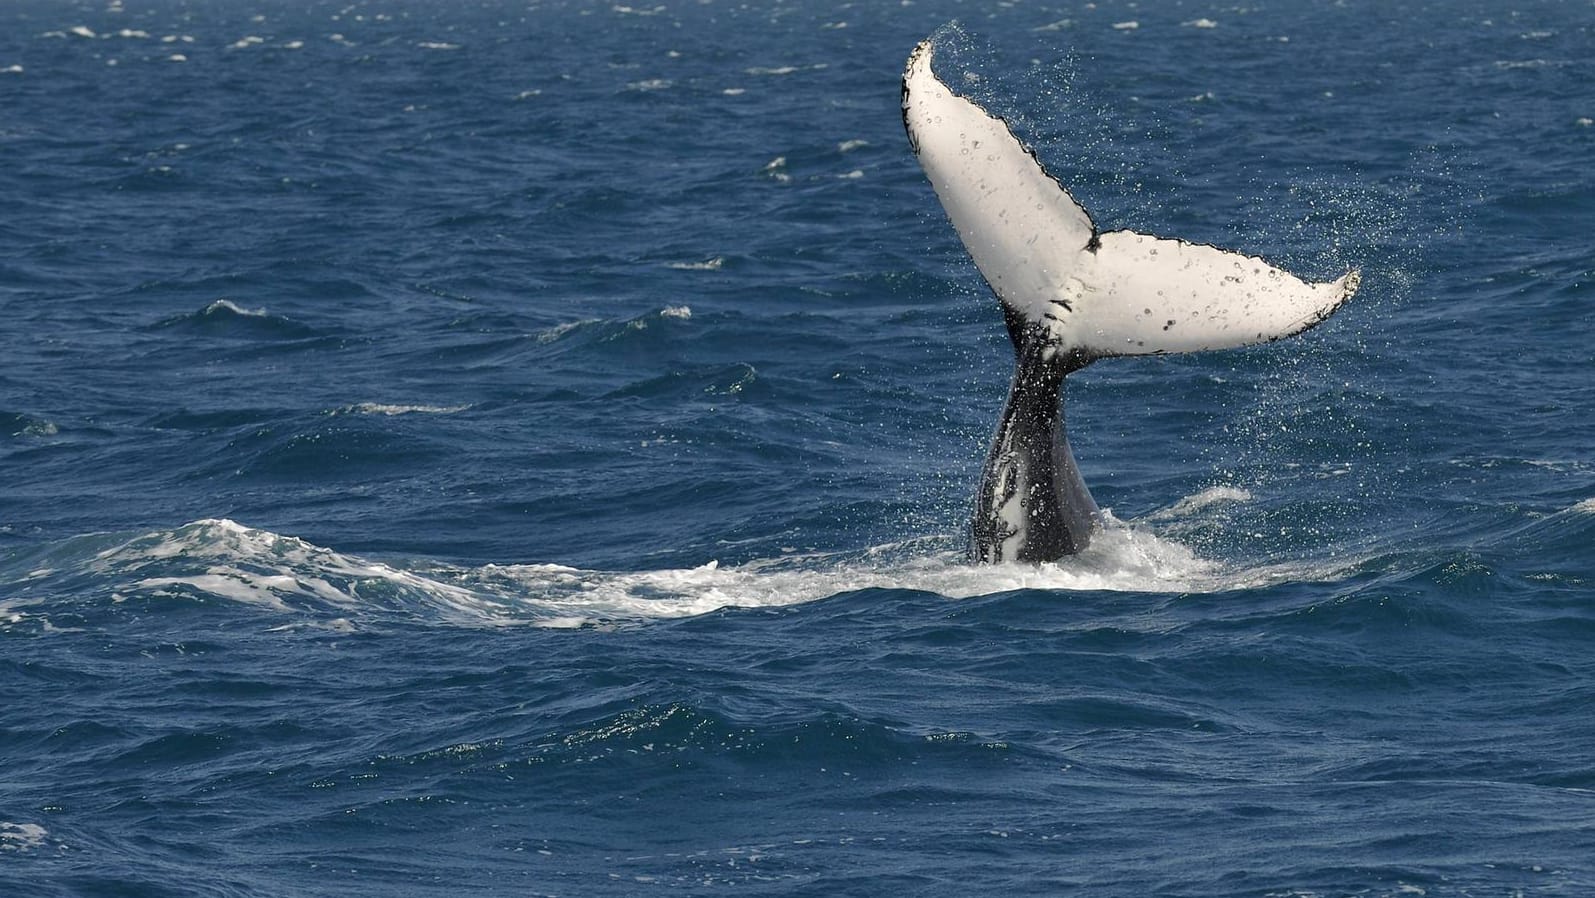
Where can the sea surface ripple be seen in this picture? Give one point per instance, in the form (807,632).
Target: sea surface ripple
(524,448)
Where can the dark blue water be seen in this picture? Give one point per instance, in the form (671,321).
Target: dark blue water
(524,449)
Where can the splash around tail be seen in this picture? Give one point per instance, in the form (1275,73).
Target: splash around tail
(1073,294)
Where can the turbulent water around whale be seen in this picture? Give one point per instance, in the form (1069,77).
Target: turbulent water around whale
(527,449)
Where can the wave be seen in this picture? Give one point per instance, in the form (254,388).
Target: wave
(222,560)
(21,836)
(225,318)
(20,424)
(391,410)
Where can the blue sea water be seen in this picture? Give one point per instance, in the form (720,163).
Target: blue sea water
(524,448)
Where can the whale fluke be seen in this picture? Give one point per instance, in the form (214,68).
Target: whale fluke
(1072,294)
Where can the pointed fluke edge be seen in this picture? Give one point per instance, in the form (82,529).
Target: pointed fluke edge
(1097,294)
(1072,294)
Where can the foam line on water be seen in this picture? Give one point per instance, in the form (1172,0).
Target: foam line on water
(222,559)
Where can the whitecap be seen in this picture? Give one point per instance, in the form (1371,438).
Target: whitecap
(776,168)
(785,69)
(227,305)
(1126,26)
(848,146)
(706,265)
(14,69)
(650,84)
(83,31)
(437,45)
(1200,23)
(248,41)
(265,569)
(1510,64)
(682,312)
(21,836)
(378,408)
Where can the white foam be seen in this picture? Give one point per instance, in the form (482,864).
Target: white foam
(776,168)
(1120,559)
(9,613)
(848,146)
(83,31)
(437,45)
(21,836)
(1126,26)
(229,583)
(786,69)
(706,265)
(286,575)
(227,305)
(13,69)
(378,408)
(560,330)
(258,567)
(682,312)
(1200,23)
(1585,507)
(1209,496)
(1530,63)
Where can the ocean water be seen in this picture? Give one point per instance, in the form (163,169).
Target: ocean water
(524,448)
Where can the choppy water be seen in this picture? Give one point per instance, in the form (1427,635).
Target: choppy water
(524,449)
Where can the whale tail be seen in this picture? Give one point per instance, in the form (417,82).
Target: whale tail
(1097,294)
(1072,294)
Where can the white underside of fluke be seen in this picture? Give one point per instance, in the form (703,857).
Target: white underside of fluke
(1115,293)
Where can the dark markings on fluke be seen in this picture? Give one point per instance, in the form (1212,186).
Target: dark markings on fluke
(1071,295)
